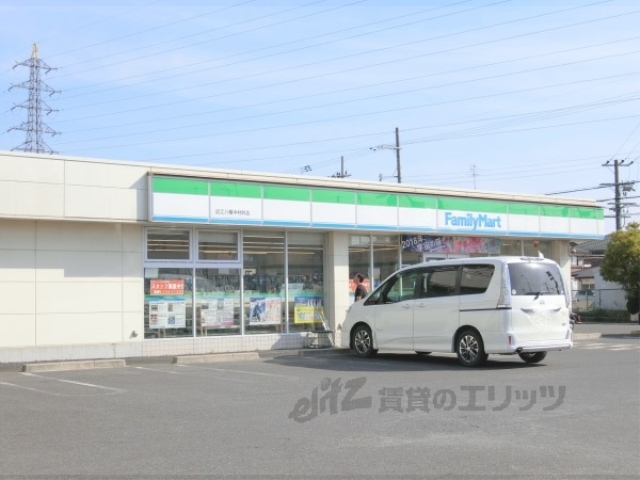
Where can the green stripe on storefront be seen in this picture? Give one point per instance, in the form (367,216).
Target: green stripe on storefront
(180,185)
(554,211)
(523,209)
(286,193)
(588,213)
(236,190)
(377,199)
(417,201)
(471,205)
(324,195)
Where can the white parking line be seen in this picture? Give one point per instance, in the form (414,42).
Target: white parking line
(623,347)
(91,385)
(33,389)
(591,346)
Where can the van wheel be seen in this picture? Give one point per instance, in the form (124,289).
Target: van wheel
(470,349)
(363,341)
(423,353)
(533,357)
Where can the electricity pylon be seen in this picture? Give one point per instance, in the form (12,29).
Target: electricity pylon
(36,107)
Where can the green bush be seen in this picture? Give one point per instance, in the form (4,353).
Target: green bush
(602,315)
(633,301)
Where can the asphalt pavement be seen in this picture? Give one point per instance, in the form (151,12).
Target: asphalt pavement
(331,416)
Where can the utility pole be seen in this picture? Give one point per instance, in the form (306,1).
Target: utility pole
(618,206)
(395,147)
(35,106)
(474,175)
(342,173)
(398,155)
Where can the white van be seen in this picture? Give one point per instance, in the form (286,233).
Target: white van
(472,307)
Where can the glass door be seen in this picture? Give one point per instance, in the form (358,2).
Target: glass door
(217,301)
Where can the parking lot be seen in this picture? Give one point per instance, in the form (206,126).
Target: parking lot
(330,416)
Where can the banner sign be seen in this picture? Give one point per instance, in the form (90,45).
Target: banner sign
(167,287)
(293,204)
(453,245)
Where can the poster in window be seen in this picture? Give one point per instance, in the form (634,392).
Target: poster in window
(167,305)
(167,312)
(265,310)
(450,245)
(308,310)
(217,312)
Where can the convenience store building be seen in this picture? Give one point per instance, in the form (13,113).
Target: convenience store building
(104,259)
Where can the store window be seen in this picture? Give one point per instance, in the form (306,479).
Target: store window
(359,261)
(533,248)
(168,307)
(411,258)
(168,244)
(264,285)
(217,246)
(305,255)
(374,256)
(511,247)
(386,257)
(218,308)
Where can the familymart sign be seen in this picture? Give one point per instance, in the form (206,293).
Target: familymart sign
(213,201)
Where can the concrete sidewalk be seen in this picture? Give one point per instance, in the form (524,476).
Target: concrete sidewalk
(597,330)
(582,331)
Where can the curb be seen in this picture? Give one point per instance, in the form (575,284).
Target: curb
(215,357)
(591,336)
(324,352)
(74,365)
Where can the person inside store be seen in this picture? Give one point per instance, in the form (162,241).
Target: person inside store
(361,290)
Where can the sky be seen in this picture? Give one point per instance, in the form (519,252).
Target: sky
(491,95)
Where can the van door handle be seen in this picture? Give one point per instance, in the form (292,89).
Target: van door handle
(406,307)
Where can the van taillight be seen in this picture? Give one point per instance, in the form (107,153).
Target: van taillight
(504,301)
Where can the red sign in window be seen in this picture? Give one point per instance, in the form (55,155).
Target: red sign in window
(167,287)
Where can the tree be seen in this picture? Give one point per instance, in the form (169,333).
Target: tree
(621,263)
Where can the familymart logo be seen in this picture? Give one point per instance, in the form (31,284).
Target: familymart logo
(475,222)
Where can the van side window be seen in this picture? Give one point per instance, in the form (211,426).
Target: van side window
(402,288)
(475,279)
(438,282)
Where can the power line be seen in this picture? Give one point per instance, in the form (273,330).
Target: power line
(413,57)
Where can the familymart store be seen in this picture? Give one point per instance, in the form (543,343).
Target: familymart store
(139,260)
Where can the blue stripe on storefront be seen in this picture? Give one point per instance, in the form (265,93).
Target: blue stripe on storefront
(276,223)
(235,222)
(333,225)
(364,226)
(415,229)
(402,228)
(556,235)
(177,219)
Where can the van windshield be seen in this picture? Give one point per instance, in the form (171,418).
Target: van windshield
(530,278)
